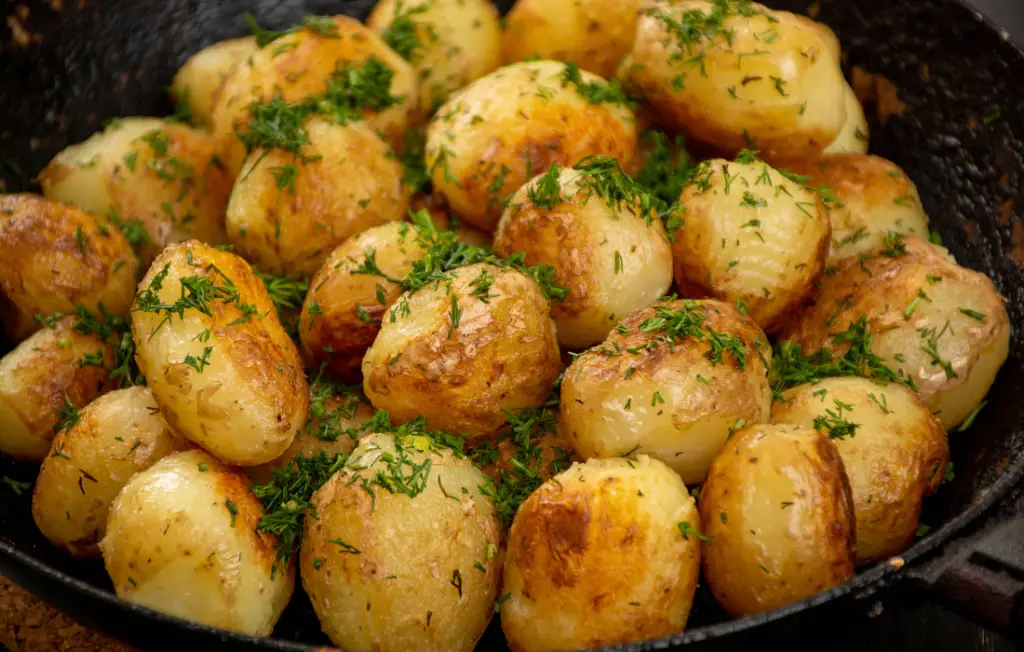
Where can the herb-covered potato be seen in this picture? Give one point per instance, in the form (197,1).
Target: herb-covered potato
(854,136)
(778,507)
(181,539)
(894,451)
(497,133)
(450,43)
(404,553)
(42,383)
(671,381)
(598,231)
(56,257)
(157,182)
(288,211)
(941,326)
(739,73)
(221,366)
(443,218)
(113,438)
(607,552)
(200,80)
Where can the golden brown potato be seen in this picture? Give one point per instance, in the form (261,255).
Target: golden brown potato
(738,76)
(497,133)
(941,326)
(412,570)
(460,352)
(53,257)
(200,80)
(894,451)
(115,437)
(223,369)
(777,507)
(612,255)
(854,136)
(159,182)
(671,382)
(181,538)
(607,552)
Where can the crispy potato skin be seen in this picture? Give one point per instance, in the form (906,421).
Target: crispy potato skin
(777,504)
(897,456)
(201,79)
(596,558)
(883,290)
(612,260)
(44,270)
(503,354)
(251,398)
(36,377)
(413,584)
(674,405)
(174,545)
(722,95)
(166,176)
(742,241)
(494,135)
(355,185)
(854,137)
(116,436)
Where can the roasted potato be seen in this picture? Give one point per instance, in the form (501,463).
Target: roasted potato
(673,381)
(54,257)
(115,437)
(605,553)
(778,507)
(497,133)
(411,569)
(752,236)
(199,81)
(894,451)
(181,538)
(854,136)
(613,255)
(221,366)
(942,327)
(158,182)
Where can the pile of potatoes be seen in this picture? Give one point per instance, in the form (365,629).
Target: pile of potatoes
(637,332)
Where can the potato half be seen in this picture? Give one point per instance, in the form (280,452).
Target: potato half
(201,79)
(854,137)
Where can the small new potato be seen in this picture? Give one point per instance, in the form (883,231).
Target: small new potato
(461,351)
(181,539)
(199,81)
(661,386)
(54,257)
(854,137)
(394,571)
(613,258)
(778,506)
(115,437)
(497,133)
(605,553)
(940,325)
(224,371)
(896,455)
(751,235)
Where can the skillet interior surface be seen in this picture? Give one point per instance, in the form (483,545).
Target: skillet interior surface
(64,72)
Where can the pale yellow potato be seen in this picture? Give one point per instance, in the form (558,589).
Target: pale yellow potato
(499,354)
(770,77)
(355,183)
(301,64)
(230,381)
(39,378)
(855,135)
(649,391)
(497,133)
(597,557)
(164,181)
(777,505)
(200,79)
(393,572)
(116,436)
(896,455)
(911,302)
(53,257)
(181,539)
(751,237)
(457,41)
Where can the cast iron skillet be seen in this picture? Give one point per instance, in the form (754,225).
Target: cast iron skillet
(71,64)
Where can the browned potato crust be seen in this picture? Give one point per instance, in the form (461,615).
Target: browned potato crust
(200,80)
